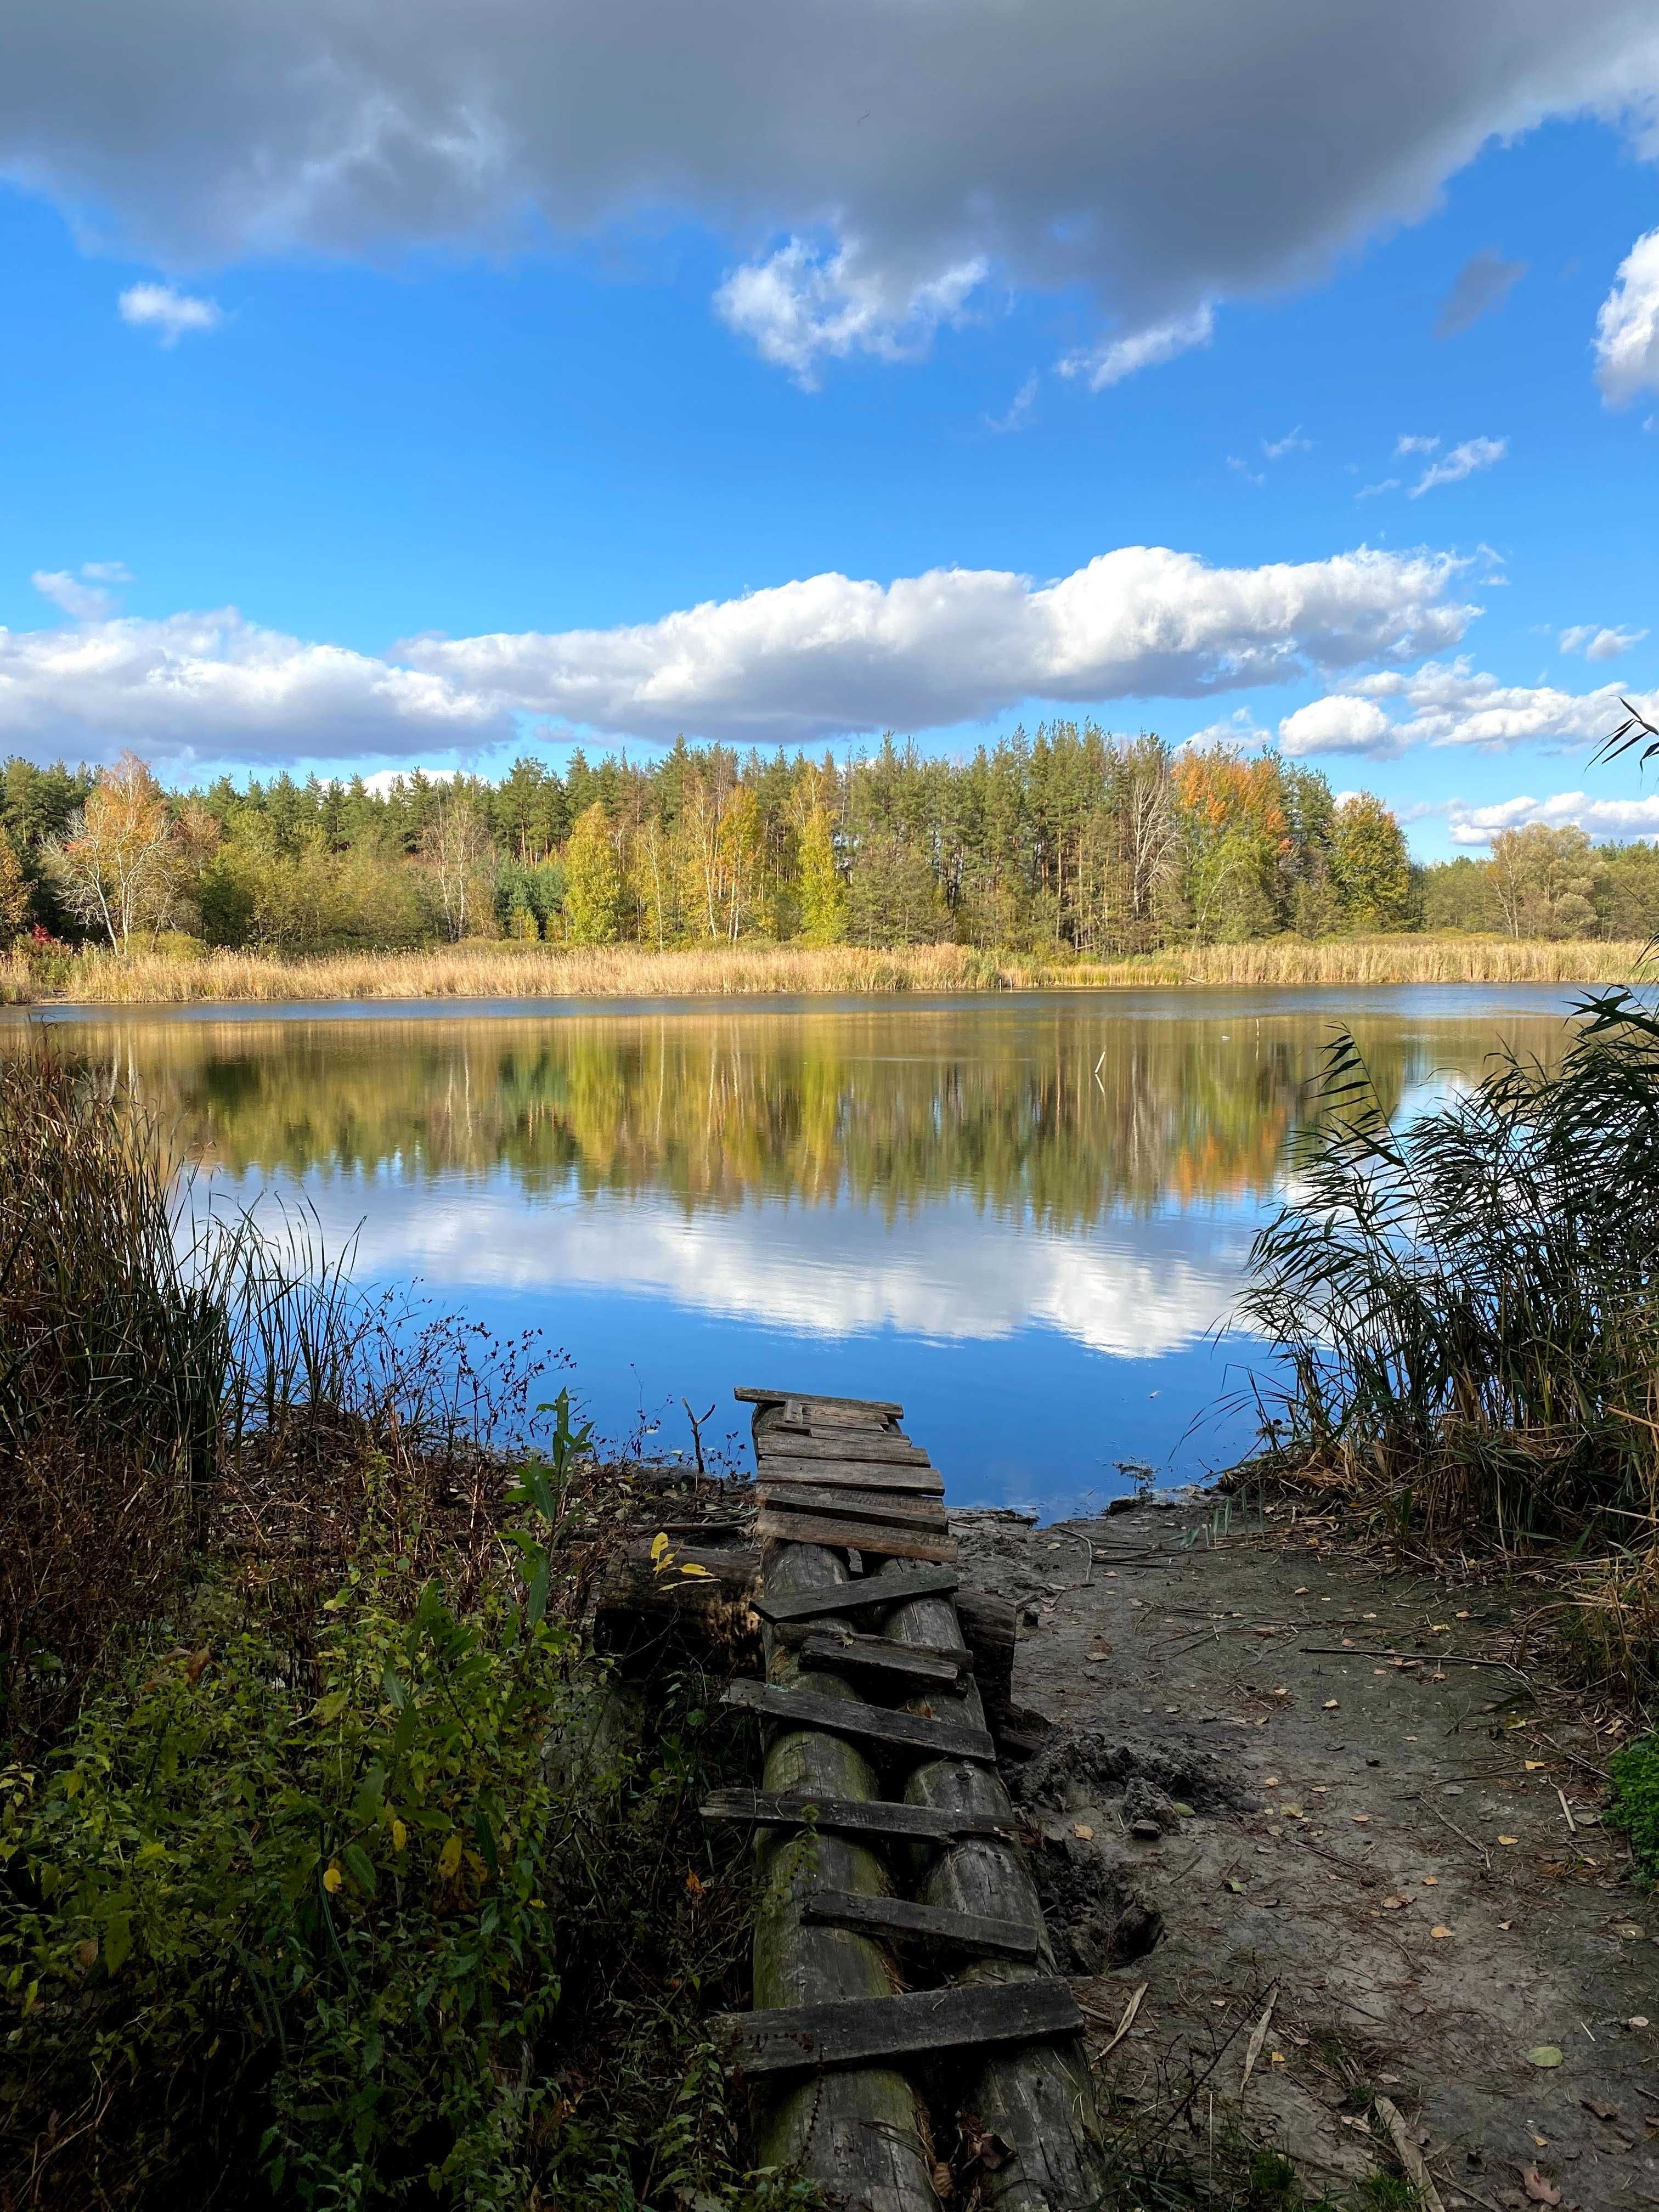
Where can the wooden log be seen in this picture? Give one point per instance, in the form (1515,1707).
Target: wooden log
(885,1408)
(872,1594)
(845,1444)
(852,1504)
(858,1535)
(1040,2097)
(930,1923)
(956,1739)
(853,1475)
(635,1608)
(879,1656)
(907,2024)
(878,1818)
(860,2136)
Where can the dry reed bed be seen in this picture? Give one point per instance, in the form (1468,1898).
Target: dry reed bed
(501,971)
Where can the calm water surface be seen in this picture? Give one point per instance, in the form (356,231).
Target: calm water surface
(1025,1217)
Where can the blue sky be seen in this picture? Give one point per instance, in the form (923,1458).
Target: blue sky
(776,400)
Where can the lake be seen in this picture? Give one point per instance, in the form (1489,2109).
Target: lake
(1026,1217)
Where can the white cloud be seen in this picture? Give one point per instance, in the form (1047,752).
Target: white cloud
(1370,491)
(1464,460)
(1449,703)
(1240,728)
(1241,468)
(216,686)
(1114,359)
(169,313)
(831,655)
(106,572)
(817,659)
(1092,149)
(1340,723)
(1291,443)
(1596,643)
(799,305)
(1019,409)
(85,601)
(1627,327)
(1601,817)
(1406,444)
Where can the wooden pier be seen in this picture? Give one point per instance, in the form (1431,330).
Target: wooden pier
(904,1987)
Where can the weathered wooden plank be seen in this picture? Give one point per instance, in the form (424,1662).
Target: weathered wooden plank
(887,1407)
(879,1818)
(866,1723)
(856,1475)
(860,1536)
(936,1923)
(912,2024)
(856,1597)
(859,2134)
(853,1504)
(874,1655)
(844,1444)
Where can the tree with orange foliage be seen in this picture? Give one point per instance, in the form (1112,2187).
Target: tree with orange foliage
(127,863)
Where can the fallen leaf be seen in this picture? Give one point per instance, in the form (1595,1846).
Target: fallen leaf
(693,1886)
(1237,1888)
(1536,1766)
(1330,1704)
(1431,1881)
(1509,1839)
(193,1665)
(1636,2020)
(1082,1828)
(1393,1903)
(1602,2111)
(1258,2037)
(1437,1931)
(1539,2190)
(1360,1819)
(1544,2054)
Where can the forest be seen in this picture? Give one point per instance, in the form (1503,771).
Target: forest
(1068,842)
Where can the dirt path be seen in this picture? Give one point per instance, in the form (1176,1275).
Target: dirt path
(1378,1844)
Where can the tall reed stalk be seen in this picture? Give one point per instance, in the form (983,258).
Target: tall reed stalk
(1467,1305)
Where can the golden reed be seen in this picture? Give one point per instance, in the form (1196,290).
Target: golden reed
(492,970)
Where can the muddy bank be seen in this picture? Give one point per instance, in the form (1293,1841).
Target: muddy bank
(1284,1776)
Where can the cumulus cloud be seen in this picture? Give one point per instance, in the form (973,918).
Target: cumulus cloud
(1114,359)
(1596,643)
(1627,327)
(1485,282)
(1600,817)
(824,657)
(1450,703)
(1342,722)
(216,686)
(831,655)
(799,305)
(171,314)
(1150,158)
(1464,460)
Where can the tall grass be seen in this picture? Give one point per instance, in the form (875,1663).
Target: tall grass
(510,971)
(1467,1305)
(171,1380)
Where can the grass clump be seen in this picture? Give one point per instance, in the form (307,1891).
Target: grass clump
(1466,1304)
(1635,1805)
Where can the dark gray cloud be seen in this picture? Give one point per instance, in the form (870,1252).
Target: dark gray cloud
(1485,281)
(1158,156)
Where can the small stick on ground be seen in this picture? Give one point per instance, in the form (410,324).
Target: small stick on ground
(1408,2154)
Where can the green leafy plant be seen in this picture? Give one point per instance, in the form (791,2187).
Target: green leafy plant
(1635,1806)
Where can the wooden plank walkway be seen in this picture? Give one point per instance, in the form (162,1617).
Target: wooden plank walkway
(888,1851)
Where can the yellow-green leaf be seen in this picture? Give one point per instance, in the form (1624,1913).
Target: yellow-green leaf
(449,1858)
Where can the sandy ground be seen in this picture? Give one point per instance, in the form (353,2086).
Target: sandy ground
(1375,1844)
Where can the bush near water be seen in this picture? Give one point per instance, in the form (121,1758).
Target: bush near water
(324,1879)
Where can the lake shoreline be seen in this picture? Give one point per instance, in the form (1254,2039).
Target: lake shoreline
(500,971)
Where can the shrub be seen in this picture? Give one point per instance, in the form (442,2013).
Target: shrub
(1635,1807)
